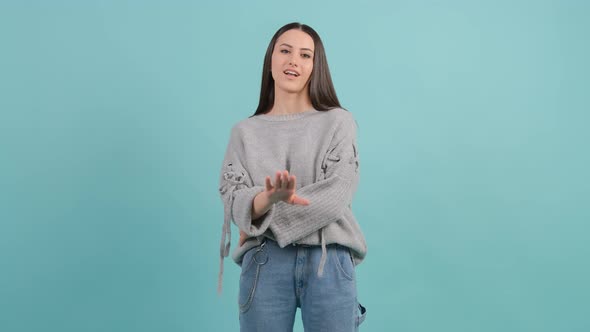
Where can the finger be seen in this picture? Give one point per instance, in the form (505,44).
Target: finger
(299,200)
(291,185)
(285,181)
(268,184)
(278,180)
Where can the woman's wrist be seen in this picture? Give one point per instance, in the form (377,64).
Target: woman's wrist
(260,205)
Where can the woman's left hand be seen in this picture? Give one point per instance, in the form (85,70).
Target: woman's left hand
(243,237)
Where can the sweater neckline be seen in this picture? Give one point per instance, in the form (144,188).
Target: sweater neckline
(287,117)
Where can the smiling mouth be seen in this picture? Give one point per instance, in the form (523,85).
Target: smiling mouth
(290,73)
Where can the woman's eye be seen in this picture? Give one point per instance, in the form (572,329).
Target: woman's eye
(306,56)
(283,51)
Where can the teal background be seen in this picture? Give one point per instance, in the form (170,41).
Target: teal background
(473,140)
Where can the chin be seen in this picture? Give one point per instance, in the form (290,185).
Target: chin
(291,89)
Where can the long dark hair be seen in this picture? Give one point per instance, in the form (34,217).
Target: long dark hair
(321,90)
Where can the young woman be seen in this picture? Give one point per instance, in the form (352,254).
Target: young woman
(299,240)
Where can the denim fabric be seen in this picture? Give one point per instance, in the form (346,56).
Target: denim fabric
(275,281)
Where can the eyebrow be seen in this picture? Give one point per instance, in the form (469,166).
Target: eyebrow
(292,47)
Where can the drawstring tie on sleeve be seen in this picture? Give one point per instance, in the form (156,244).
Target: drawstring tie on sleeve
(224,251)
(324,255)
(233,181)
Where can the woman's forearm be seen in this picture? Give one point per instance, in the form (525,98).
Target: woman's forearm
(260,205)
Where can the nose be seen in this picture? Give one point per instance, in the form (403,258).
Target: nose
(292,60)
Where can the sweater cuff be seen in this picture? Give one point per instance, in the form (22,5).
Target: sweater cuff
(328,198)
(282,230)
(242,212)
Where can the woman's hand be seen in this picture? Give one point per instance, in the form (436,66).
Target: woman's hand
(283,190)
(243,238)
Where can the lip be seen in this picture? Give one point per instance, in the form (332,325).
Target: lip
(293,70)
(291,77)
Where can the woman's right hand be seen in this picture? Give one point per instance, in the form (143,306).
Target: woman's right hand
(284,189)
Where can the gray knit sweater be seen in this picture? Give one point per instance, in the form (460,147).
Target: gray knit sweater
(320,149)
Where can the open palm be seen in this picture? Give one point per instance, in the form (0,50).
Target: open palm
(283,190)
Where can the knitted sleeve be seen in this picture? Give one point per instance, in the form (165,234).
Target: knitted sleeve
(329,196)
(237,193)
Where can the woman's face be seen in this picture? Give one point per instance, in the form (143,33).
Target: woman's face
(294,52)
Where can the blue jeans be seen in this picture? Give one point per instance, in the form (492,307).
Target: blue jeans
(275,281)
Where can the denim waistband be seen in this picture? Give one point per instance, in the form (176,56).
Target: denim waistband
(303,245)
(290,245)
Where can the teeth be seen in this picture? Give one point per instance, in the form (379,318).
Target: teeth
(290,73)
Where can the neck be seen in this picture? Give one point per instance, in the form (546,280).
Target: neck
(289,103)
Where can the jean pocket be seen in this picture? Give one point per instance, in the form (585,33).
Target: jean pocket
(254,259)
(343,261)
(247,260)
